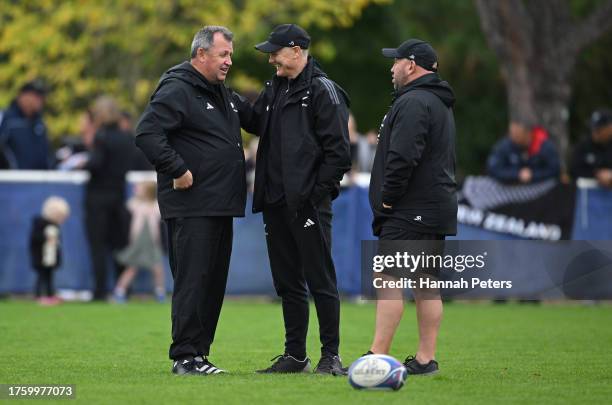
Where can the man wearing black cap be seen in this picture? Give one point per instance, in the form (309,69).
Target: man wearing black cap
(593,155)
(302,119)
(412,187)
(23,134)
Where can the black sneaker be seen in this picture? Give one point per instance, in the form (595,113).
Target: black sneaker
(287,364)
(345,369)
(330,365)
(183,367)
(203,366)
(415,368)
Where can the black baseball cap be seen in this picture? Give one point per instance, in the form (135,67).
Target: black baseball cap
(419,51)
(35,86)
(285,35)
(601,118)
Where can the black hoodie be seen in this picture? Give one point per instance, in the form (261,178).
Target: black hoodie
(193,124)
(414,167)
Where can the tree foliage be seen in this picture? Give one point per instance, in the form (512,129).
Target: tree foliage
(120,47)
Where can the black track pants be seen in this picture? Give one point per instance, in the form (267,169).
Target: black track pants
(299,248)
(199,251)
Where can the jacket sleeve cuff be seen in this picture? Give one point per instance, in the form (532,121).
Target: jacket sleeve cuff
(388,198)
(179,172)
(318,192)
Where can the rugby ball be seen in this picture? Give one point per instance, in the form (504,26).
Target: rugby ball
(378,372)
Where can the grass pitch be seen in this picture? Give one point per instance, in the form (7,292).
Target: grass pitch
(488,354)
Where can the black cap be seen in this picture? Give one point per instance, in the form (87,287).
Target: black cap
(419,51)
(601,118)
(35,86)
(286,35)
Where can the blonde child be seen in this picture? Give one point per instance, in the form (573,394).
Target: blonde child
(144,250)
(46,247)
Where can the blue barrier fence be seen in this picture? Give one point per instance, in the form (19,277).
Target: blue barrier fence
(249,269)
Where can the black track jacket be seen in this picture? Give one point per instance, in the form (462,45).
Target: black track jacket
(190,124)
(414,167)
(314,125)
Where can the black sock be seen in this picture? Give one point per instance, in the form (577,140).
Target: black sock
(299,357)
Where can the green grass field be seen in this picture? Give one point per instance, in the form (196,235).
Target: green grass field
(488,354)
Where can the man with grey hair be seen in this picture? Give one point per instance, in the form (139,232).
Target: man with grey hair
(190,132)
(301,118)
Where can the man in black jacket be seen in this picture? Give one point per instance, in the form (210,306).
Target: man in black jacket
(190,132)
(412,187)
(592,156)
(107,219)
(302,119)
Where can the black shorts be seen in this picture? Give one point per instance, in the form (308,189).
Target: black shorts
(393,240)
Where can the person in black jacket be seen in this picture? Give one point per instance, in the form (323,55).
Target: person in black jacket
(524,156)
(301,117)
(413,188)
(106,217)
(592,157)
(190,132)
(46,247)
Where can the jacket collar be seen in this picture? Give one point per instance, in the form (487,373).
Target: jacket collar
(187,73)
(19,112)
(413,84)
(303,80)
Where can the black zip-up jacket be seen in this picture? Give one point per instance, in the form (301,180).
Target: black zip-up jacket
(589,157)
(314,124)
(414,166)
(192,124)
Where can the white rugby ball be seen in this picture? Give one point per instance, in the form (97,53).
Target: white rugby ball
(377,371)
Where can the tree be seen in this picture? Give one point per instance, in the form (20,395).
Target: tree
(538,43)
(466,62)
(120,47)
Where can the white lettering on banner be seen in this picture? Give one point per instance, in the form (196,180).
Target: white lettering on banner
(469,216)
(495,222)
(515,226)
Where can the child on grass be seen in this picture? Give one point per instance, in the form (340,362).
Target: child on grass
(144,250)
(46,247)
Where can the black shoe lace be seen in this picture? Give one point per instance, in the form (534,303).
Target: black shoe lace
(409,359)
(326,363)
(206,361)
(277,359)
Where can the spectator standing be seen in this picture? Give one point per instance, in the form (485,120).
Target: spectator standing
(23,133)
(106,218)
